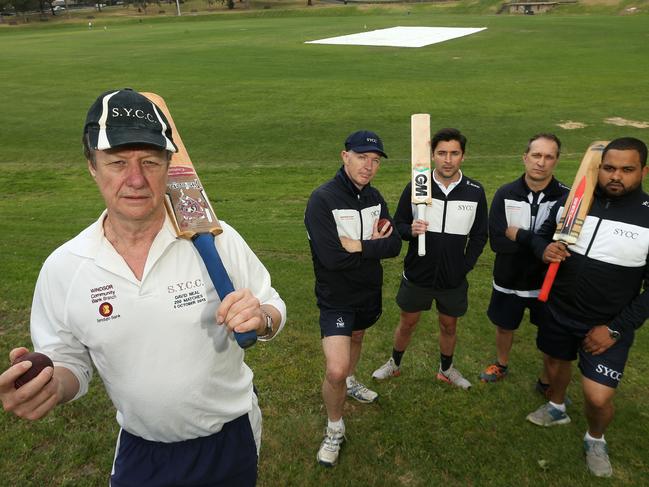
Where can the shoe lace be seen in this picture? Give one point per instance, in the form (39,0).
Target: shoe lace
(598,449)
(389,366)
(454,375)
(333,439)
(493,369)
(359,389)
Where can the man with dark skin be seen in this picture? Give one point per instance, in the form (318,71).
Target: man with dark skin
(597,300)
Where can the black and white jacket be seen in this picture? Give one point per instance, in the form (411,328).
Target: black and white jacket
(456,236)
(348,280)
(600,282)
(516,269)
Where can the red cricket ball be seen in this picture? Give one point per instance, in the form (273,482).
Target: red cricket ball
(39,362)
(382,222)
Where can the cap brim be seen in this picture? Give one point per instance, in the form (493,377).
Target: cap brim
(368,148)
(122,136)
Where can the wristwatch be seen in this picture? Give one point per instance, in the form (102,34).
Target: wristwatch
(269,326)
(614,334)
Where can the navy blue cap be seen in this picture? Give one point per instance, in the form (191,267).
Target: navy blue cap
(365,141)
(123,117)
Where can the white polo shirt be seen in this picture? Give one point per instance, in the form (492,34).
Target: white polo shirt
(172,373)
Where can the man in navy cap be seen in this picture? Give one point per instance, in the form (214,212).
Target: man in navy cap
(109,297)
(342,220)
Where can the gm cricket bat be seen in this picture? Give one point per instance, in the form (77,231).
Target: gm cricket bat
(421,176)
(193,216)
(576,208)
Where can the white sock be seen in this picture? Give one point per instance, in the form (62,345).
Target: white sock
(590,438)
(561,407)
(336,425)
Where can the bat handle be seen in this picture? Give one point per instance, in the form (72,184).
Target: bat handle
(548,281)
(421,239)
(204,243)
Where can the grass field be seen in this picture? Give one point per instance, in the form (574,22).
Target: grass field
(264,116)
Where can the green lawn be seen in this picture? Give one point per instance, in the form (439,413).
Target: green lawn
(264,117)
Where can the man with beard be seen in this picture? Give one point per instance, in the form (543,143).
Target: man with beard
(596,303)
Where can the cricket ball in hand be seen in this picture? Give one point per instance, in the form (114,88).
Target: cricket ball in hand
(39,362)
(382,222)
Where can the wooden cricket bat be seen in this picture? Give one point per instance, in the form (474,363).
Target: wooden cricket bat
(576,208)
(193,216)
(421,175)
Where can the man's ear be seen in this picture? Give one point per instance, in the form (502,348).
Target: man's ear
(92,170)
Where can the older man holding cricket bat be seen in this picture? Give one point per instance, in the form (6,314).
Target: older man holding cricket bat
(130,297)
(599,298)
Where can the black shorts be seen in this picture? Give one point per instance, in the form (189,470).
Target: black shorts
(344,322)
(228,457)
(561,338)
(506,310)
(452,302)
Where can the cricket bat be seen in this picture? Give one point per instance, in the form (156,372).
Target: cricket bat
(576,208)
(421,176)
(193,216)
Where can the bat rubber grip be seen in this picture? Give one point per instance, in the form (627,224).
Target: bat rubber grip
(421,239)
(548,281)
(204,243)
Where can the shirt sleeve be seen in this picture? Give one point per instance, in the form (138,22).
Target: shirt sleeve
(382,248)
(324,239)
(498,225)
(50,332)
(478,234)
(403,217)
(636,312)
(539,241)
(247,271)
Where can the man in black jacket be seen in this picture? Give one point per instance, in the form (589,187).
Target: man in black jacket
(525,204)
(347,246)
(597,300)
(456,233)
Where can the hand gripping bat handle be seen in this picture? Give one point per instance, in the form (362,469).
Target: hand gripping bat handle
(204,243)
(421,240)
(548,281)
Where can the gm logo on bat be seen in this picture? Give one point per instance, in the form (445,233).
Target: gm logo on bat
(421,185)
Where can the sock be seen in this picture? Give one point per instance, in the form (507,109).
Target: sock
(501,366)
(336,425)
(397,356)
(445,362)
(561,407)
(590,438)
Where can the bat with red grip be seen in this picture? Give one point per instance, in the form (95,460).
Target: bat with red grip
(576,208)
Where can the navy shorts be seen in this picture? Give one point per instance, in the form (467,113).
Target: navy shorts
(506,310)
(226,458)
(452,302)
(344,322)
(561,338)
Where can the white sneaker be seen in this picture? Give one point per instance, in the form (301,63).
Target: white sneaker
(359,392)
(387,370)
(330,447)
(454,377)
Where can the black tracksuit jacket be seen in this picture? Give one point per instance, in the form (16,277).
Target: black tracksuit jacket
(601,282)
(456,236)
(516,267)
(346,280)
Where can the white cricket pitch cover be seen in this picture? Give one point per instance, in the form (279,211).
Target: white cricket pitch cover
(401,36)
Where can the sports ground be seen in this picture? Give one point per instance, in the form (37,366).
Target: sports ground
(263,116)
